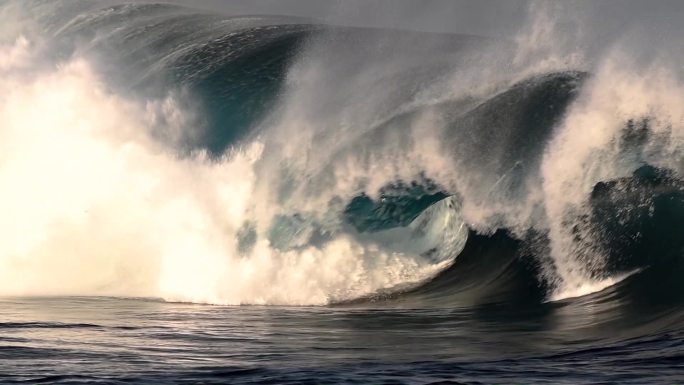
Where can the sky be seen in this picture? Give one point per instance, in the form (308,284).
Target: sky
(488,17)
(482,17)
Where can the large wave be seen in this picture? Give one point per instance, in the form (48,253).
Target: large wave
(159,151)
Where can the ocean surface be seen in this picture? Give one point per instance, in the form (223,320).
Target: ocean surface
(120,341)
(198,197)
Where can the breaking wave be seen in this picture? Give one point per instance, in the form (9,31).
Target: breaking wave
(158,151)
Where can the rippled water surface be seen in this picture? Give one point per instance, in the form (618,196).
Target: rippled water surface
(105,340)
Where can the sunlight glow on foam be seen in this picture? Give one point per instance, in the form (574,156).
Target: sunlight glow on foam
(92,205)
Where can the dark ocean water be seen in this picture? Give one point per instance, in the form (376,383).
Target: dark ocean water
(189,197)
(120,341)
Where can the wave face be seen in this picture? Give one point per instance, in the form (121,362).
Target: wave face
(153,150)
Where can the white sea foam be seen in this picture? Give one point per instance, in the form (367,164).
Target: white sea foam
(93,205)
